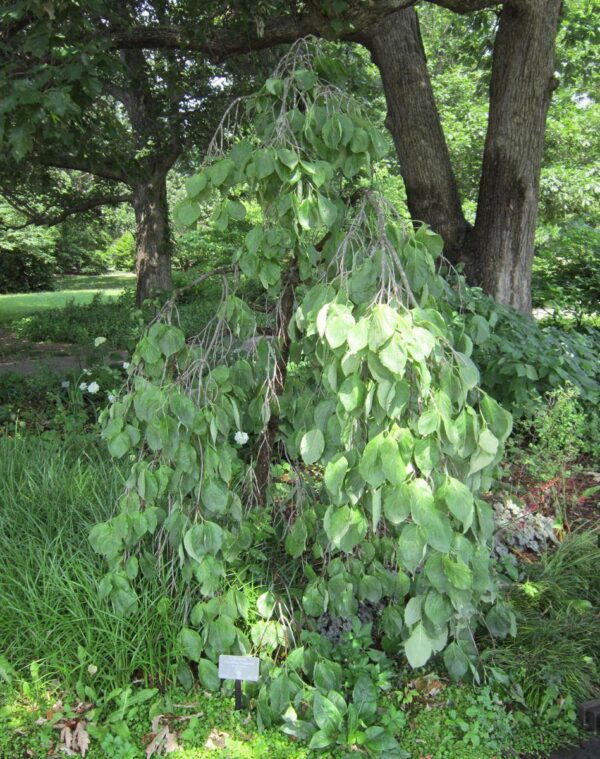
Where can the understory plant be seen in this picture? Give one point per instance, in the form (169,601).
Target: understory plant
(330,457)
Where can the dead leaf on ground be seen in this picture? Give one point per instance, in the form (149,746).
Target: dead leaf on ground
(217,739)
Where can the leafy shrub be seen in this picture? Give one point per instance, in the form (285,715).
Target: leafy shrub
(26,260)
(521,361)
(566,273)
(116,320)
(120,254)
(80,246)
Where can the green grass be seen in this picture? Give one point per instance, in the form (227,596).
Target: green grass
(78,288)
(51,495)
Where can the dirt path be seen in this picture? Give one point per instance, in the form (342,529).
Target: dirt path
(23,357)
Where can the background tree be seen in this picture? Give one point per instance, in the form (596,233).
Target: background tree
(497,249)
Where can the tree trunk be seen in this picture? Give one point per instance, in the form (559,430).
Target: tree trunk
(152,238)
(500,249)
(413,119)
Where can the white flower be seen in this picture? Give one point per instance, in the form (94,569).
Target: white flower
(125,364)
(241,438)
(83,386)
(87,371)
(111,398)
(65,384)
(99,341)
(93,387)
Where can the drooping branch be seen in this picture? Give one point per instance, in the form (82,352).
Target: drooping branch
(51,220)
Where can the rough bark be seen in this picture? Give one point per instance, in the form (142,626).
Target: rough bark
(153,237)
(413,119)
(500,249)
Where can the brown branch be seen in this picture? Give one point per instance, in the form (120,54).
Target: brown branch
(467,6)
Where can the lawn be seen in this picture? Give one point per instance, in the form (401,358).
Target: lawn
(72,287)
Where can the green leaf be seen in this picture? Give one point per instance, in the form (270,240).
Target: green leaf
(396,504)
(195,184)
(191,644)
(335,471)
(209,675)
(327,210)
(187,213)
(236,210)
(459,500)
(458,573)
(456,661)
(219,171)
(202,539)
(305,79)
(411,547)
(312,446)
(370,466)
(488,442)
(339,322)
(418,647)
(393,356)
(221,633)
(326,714)
(264,162)
(328,675)
(360,141)
(382,325)
(352,393)
(295,540)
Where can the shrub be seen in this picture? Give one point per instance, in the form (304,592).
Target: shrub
(121,253)
(116,320)
(521,361)
(26,260)
(566,273)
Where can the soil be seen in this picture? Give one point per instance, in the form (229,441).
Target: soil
(24,357)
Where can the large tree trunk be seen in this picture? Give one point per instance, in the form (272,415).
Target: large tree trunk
(153,238)
(413,119)
(500,249)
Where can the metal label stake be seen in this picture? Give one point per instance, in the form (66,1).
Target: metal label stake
(239,668)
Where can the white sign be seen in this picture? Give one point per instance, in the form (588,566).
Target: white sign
(239,667)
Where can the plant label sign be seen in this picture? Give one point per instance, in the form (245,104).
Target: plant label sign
(239,667)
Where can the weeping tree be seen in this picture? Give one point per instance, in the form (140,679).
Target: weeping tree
(331,457)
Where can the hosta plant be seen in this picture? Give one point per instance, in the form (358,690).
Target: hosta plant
(311,471)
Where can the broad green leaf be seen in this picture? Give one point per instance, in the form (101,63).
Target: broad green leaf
(312,446)
(352,393)
(339,322)
(458,573)
(393,356)
(411,547)
(335,471)
(326,714)
(456,661)
(191,644)
(202,539)
(418,647)
(209,675)
(459,500)
(396,503)
(295,540)
(382,325)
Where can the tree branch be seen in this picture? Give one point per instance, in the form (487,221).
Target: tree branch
(467,6)
(48,220)
(73,163)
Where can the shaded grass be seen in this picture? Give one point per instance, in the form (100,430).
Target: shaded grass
(76,288)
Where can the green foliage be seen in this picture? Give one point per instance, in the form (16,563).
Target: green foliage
(521,362)
(557,600)
(26,260)
(478,724)
(382,398)
(566,275)
(121,252)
